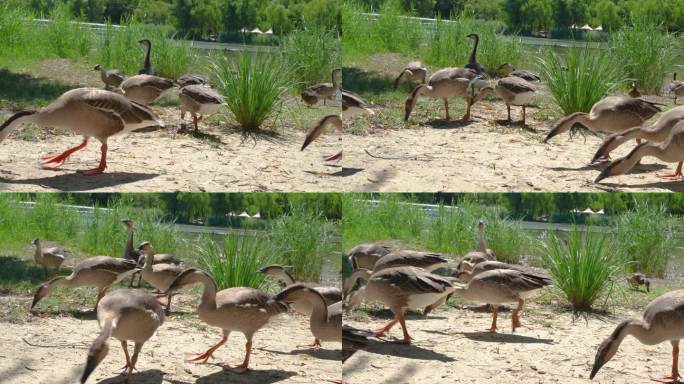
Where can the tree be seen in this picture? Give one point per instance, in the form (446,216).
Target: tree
(154,12)
(569,12)
(447,8)
(537,14)
(485,9)
(607,14)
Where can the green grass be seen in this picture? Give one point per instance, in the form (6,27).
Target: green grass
(255,86)
(580,78)
(583,266)
(645,52)
(645,237)
(235,260)
(311,54)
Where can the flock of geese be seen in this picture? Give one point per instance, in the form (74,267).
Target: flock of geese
(134,315)
(402,279)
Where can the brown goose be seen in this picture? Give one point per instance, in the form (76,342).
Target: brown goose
(365,255)
(671,150)
(443,84)
(521,73)
(663,320)
(676,87)
(199,100)
(466,276)
(611,114)
(499,286)
(353,104)
(480,254)
(146,89)
(331,295)
(414,72)
(639,279)
(658,132)
(239,309)
(332,121)
(189,79)
(323,91)
(112,78)
(89,112)
(51,257)
(325,319)
(159,276)
(513,90)
(425,260)
(401,288)
(633,91)
(98,271)
(126,315)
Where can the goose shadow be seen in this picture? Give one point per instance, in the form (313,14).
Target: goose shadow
(321,353)
(184,130)
(673,186)
(255,376)
(639,169)
(488,337)
(71,182)
(367,82)
(152,376)
(410,351)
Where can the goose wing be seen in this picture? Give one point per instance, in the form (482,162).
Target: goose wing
(202,94)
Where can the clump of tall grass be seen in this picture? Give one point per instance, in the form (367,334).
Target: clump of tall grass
(311,54)
(583,265)
(645,52)
(119,48)
(449,46)
(300,239)
(645,237)
(387,216)
(254,85)
(454,231)
(235,260)
(580,78)
(64,37)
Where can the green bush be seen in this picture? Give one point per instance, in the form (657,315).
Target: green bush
(645,237)
(311,54)
(580,78)
(583,265)
(254,85)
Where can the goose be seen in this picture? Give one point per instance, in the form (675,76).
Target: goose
(663,320)
(365,255)
(188,79)
(472,61)
(658,132)
(238,309)
(52,257)
(98,271)
(479,255)
(130,253)
(633,91)
(671,150)
(323,91)
(112,78)
(513,90)
(466,276)
(332,121)
(159,276)
(126,315)
(90,112)
(139,255)
(146,89)
(325,319)
(499,286)
(199,100)
(639,279)
(676,87)
(443,84)
(414,71)
(331,295)
(353,104)
(401,288)
(521,73)
(611,114)
(147,65)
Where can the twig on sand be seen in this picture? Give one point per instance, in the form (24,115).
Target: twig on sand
(418,157)
(74,345)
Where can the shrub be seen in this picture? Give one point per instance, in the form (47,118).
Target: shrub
(311,54)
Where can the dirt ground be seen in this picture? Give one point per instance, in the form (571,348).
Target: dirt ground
(52,348)
(449,346)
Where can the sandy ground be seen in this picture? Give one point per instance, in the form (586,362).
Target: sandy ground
(60,346)
(449,346)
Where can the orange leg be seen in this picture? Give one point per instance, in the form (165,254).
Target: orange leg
(196,357)
(407,339)
(55,161)
(523,116)
(316,344)
(466,117)
(493,328)
(446,108)
(515,317)
(677,175)
(384,329)
(508,109)
(674,377)
(194,121)
(103,163)
(244,366)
